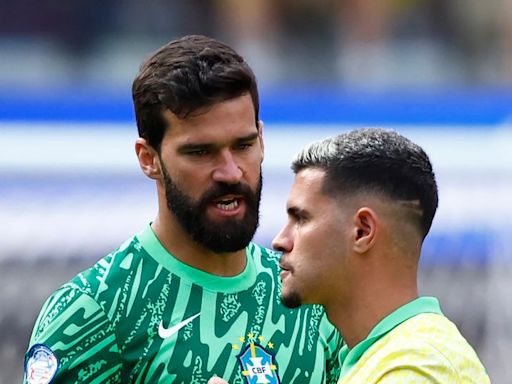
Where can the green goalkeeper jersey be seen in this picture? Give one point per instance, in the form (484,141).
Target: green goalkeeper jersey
(140,315)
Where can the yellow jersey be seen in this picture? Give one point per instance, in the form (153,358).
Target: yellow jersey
(415,344)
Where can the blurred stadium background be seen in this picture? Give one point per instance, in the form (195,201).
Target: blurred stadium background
(438,71)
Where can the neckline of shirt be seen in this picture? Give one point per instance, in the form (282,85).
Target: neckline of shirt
(231,284)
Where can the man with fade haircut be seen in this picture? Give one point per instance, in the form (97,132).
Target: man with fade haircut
(360,207)
(190,296)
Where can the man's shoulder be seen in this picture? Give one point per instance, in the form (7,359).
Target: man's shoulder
(426,331)
(98,288)
(431,329)
(108,274)
(427,340)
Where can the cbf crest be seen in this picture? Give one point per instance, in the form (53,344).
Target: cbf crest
(257,362)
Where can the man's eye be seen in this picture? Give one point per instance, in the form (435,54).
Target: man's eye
(198,152)
(243,147)
(299,219)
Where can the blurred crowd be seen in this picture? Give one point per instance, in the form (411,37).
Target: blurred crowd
(362,43)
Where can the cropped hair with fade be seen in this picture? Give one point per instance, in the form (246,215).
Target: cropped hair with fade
(184,76)
(375,160)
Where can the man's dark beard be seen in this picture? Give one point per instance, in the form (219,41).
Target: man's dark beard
(227,235)
(291,301)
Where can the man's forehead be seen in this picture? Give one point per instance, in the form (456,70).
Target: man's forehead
(309,179)
(306,188)
(235,106)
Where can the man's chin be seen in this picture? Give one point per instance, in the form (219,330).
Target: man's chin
(224,246)
(225,220)
(224,237)
(291,300)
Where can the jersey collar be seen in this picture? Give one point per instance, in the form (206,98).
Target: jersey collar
(349,357)
(156,250)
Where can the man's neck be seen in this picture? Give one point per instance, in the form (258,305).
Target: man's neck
(178,243)
(356,318)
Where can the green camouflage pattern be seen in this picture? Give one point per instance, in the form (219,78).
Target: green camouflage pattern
(103,325)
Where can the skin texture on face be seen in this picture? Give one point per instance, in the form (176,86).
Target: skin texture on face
(235,234)
(208,174)
(347,253)
(211,164)
(314,242)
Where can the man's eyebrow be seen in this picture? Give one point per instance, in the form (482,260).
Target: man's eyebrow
(249,137)
(194,146)
(295,211)
(198,145)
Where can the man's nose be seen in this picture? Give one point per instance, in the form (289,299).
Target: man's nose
(281,242)
(227,169)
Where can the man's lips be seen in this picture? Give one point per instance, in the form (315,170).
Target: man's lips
(285,270)
(227,199)
(228,205)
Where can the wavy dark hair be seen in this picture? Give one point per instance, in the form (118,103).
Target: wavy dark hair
(184,76)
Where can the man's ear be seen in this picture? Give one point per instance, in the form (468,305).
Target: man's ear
(366,228)
(260,138)
(149,160)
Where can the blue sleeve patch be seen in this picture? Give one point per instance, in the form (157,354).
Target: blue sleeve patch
(41,365)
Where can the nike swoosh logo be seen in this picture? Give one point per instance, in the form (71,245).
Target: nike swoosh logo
(164,333)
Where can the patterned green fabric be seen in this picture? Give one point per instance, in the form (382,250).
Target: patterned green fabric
(113,323)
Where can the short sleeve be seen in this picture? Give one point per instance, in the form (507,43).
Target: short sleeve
(73,341)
